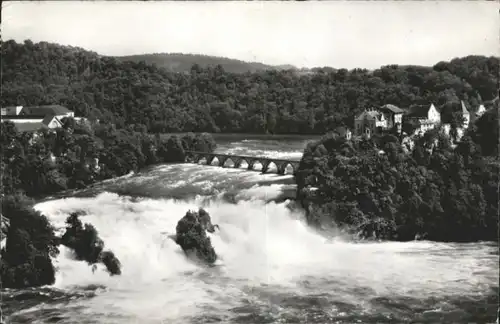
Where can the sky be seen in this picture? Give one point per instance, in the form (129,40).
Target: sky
(339,34)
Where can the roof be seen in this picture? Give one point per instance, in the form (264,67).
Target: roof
(29,127)
(21,117)
(369,114)
(45,110)
(393,108)
(341,130)
(47,119)
(420,111)
(464,109)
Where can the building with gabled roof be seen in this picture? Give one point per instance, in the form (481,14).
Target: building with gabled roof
(33,123)
(29,127)
(425,117)
(394,116)
(31,119)
(369,122)
(374,120)
(11,110)
(392,108)
(53,110)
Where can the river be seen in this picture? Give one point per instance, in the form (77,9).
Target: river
(272,267)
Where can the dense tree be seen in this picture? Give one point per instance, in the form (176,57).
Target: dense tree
(436,191)
(72,157)
(209,99)
(78,155)
(30,244)
(87,246)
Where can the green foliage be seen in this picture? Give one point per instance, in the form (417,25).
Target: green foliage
(72,157)
(436,192)
(83,240)
(192,236)
(177,62)
(207,98)
(87,246)
(78,155)
(29,246)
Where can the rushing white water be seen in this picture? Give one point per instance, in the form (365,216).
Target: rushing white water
(272,268)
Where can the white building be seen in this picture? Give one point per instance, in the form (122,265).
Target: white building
(425,117)
(369,122)
(480,111)
(393,115)
(14,110)
(31,119)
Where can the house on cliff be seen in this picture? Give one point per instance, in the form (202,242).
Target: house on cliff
(423,117)
(394,116)
(369,122)
(32,119)
(343,132)
(375,120)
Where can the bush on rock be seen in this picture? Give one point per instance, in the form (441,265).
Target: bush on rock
(85,242)
(192,236)
(29,245)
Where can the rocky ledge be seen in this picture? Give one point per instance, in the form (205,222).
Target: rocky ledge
(87,246)
(191,235)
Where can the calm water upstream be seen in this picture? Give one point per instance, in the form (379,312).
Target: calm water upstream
(272,268)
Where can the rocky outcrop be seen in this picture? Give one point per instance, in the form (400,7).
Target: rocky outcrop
(85,242)
(191,235)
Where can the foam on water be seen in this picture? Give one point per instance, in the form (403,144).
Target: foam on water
(259,245)
(270,263)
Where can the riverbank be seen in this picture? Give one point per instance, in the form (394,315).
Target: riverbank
(267,254)
(72,158)
(372,188)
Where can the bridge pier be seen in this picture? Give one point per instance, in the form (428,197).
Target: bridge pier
(265,166)
(282,168)
(250,165)
(210,159)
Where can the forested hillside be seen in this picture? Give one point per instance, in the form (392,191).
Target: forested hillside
(213,100)
(178,62)
(436,192)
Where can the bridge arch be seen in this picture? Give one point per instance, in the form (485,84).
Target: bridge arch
(270,166)
(255,165)
(201,159)
(263,164)
(225,164)
(287,168)
(241,163)
(215,161)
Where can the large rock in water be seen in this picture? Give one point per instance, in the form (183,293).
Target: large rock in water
(192,236)
(85,242)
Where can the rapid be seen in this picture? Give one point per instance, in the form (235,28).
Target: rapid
(272,268)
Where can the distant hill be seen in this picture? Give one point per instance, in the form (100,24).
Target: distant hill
(177,62)
(147,97)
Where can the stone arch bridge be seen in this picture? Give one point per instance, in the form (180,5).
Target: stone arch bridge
(281,165)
